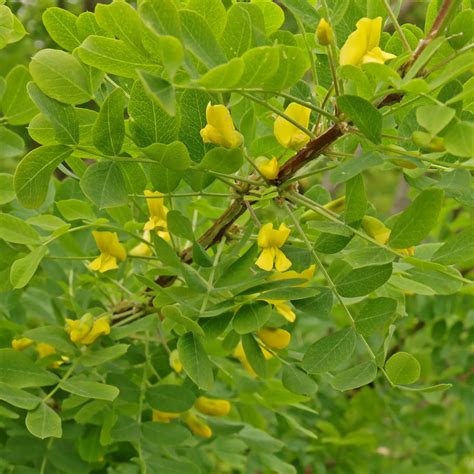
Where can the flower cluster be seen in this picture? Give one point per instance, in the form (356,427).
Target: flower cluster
(87,329)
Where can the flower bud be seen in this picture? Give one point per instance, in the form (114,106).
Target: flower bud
(268,168)
(175,363)
(324,33)
(274,338)
(213,407)
(198,426)
(21,343)
(376,229)
(164,416)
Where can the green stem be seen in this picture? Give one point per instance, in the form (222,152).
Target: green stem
(397,26)
(63,379)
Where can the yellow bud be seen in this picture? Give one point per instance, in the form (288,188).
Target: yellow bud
(198,426)
(274,338)
(175,363)
(164,416)
(45,350)
(324,33)
(213,407)
(21,343)
(376,229)
(268,168)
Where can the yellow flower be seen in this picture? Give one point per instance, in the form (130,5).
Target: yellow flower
(175,363)
(287,134)
(270,240)
(362,45)
(268,168)
(220,128)
(157,211)
(292,274)
(44,350)
(324,33)
(142,249)
(381,234)
(110,249)
(283,308)
(239,354)
(21,343)
(86,330)
(198,426)
(274,338)
(213,407)
(164,416)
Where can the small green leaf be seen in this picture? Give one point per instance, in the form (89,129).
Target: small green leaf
(356,200)
(11,144)
(374,315)
(363,280)
(403,369)
(200,256)
(456,249)
(458,140)
(357,376)
(173,313)
(88,389)
(195,361)
(251,317)
(179,225)
(104,185)
(101,356)
(24,268)
(160,91)
(17,231)
(61,26)
(7,191)
(415,222)
(297,381)
(170,398)
(109,128)
(222,160)
(254,355)
(174,156)
(17,397)
(224,75)
(434,118)
(44,422)
(330,351)
(364,115)
(18,370)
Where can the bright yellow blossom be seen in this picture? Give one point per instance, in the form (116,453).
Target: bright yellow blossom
(381,233)
(362,45)
(142,249)
(198,426)
(157,210)
(110,250)
(220,128)
(270,240)
(268,168)
(289,135)
(44,350)
(212,407)
(324,33)
(275,338)
(21,343)
(164,416)
(86,330)
(283,308)
(175,363)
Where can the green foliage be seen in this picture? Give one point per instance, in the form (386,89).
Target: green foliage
(144,333)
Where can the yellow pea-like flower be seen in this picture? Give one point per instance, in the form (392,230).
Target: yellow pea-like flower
(381,233)
(142,249)
(164,416)
(270,240)
(86,330)
(275,338)
(110,250)
(21,343)
(324,33)
(198,426)
(268,168)
(44,350)
(212,407)
(157,210)
(283,308)
(288,134)
(175,363)
(362,45)
(220,129)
